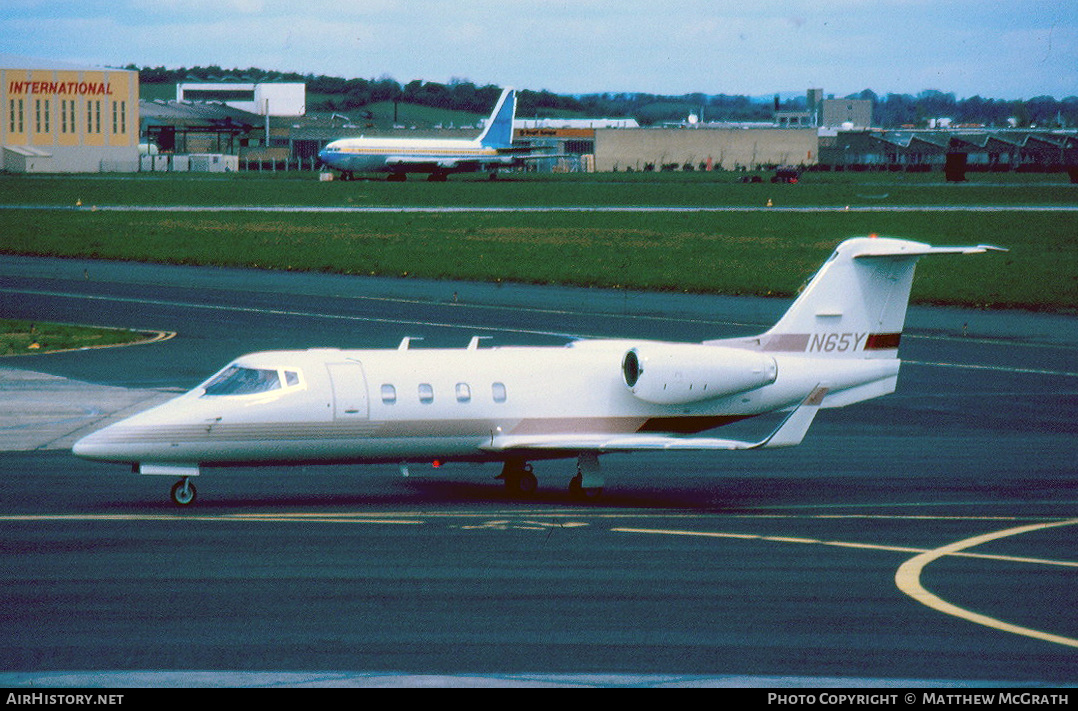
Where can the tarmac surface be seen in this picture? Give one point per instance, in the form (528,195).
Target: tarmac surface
(923,539)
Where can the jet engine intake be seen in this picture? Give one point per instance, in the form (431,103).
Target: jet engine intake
(681,373)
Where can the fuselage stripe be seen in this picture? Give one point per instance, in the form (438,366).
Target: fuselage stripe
(882,341)
(829,342)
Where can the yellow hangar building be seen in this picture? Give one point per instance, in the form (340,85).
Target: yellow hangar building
(62,118)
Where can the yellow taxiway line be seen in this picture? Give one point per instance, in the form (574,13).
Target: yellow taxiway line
(908,580)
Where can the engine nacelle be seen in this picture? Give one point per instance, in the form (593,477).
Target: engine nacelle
(681,373)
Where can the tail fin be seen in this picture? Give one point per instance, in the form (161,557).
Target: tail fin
(498,132)
(855,305)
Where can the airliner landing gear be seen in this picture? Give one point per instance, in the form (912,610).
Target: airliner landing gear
(519,480)
(183,492)
(588,482)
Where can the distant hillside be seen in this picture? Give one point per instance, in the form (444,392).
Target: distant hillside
(327,93)
(387,114)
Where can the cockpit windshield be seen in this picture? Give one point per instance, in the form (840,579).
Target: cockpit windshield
(237,380)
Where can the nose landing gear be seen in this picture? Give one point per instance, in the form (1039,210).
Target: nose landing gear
(183,492)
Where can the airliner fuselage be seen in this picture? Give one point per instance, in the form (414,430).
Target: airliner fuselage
(491,150)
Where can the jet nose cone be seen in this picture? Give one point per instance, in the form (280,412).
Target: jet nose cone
(327,154)
(81,447)
(122,441)
(93,446)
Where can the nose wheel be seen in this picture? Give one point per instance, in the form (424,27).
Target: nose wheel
(183,492)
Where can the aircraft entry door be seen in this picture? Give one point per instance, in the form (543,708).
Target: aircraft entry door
(349,391)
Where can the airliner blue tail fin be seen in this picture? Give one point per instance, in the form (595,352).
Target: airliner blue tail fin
(498,132)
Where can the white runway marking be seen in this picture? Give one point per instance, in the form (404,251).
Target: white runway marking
(284,312)
(441,324)
(1000,368)
(554,208)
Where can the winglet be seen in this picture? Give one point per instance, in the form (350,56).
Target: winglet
(797,423)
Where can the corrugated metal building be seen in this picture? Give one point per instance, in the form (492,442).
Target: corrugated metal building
(998,150)
(63,118)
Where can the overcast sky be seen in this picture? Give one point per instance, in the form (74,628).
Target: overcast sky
(996,49)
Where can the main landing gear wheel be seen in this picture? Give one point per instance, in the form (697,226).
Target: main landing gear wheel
(519,479)
(183,492)
(578,492)
(587,485)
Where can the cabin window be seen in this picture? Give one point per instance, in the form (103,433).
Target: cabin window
(464,392)
(291,378)
(498,391)
(426,393)
(236,380)
(389,394)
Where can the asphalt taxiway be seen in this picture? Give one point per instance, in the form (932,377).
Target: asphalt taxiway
(926,537)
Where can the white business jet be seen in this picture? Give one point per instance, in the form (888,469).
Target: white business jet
(438,157)
(836,345)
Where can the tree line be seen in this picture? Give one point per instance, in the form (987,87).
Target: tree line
(894,110)
(328,93)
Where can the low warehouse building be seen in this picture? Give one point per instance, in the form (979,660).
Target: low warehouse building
(63,118)
(703,148)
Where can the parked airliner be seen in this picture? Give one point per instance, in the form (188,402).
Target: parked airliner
(836,345)
(438,157)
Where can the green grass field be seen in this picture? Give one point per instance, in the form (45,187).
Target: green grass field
(695,189)
(27,338)
(759,252)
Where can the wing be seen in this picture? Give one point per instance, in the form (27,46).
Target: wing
(431,163)
(790,432)
(424,162)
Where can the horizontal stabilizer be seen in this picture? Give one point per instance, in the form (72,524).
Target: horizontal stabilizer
(915,249)
(789,433)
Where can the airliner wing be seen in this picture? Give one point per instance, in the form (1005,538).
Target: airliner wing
(462,162)
(416,161)
(526,150)
(529,153)
(789,433)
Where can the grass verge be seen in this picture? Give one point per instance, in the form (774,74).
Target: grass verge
(28,338)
